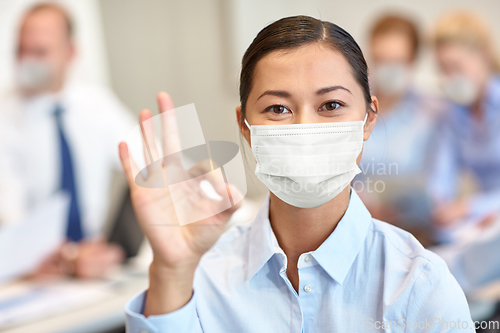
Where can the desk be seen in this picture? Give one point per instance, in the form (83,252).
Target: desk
(106,313)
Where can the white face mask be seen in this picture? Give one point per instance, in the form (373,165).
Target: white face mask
(391,79)
(33,74)
(307,165)
(461,90)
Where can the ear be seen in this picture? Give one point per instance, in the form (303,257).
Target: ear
(371,120)
(245,131)
(72,51)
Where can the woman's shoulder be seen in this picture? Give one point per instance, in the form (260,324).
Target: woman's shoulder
(396,243)
(429,287)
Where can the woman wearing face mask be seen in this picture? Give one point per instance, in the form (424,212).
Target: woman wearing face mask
(313,260)
(396,155)
(469,135)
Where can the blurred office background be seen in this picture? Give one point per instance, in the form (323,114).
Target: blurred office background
(192,50)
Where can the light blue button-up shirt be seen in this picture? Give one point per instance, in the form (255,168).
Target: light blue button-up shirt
(366,274)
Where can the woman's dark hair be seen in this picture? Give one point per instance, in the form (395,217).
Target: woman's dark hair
(295,31)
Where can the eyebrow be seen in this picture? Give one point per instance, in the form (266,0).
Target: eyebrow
(278,93)
(322,91)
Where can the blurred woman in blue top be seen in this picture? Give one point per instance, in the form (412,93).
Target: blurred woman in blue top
(469,136)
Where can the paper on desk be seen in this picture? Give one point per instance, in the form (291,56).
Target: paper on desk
(24,245)
(28,301)
(474,260)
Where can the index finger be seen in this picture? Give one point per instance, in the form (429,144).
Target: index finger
(171,140)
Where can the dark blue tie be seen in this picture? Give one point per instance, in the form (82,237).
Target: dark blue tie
(68,184)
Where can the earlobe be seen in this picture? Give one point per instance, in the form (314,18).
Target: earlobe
(243,128)
(372,118)
(238,116)
(374,104)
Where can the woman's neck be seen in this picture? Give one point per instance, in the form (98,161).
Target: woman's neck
(300,230)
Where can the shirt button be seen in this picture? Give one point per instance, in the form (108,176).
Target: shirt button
(308,258)
(307,288)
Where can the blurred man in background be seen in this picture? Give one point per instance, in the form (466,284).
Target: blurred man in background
(469,139)
(52,140)
(397,153)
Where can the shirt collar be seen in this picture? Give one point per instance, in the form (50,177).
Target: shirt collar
(338,252)
(335,255)
(41,104)
(263,243)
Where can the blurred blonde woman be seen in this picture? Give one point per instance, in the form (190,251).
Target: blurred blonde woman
(469,139)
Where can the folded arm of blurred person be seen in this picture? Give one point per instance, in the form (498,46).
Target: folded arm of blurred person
(62,137)
(86,259)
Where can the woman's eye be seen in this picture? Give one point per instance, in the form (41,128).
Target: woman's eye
(278,109)
(330,106)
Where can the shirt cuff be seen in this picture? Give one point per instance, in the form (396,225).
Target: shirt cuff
(183,320)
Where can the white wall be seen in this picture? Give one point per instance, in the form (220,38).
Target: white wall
(248,17)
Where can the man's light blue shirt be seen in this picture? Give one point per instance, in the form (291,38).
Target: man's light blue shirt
(365,274)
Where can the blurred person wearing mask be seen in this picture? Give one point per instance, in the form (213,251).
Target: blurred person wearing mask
(59,136)
(469,135)
(396,154)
